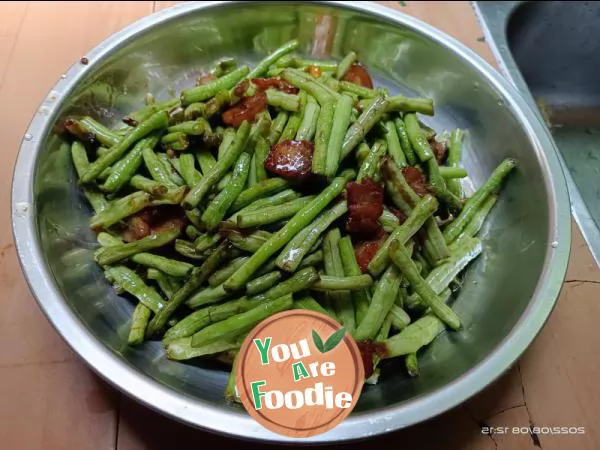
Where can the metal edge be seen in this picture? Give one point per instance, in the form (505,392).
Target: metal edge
(496,39)
(199,414)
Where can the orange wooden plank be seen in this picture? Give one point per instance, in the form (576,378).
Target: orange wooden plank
(158,5)
(10,24)
(60,405)
(50,400)
(454,18)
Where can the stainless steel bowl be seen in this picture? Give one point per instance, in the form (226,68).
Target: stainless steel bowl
(507,294)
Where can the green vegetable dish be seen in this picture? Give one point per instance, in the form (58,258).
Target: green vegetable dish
(293,184)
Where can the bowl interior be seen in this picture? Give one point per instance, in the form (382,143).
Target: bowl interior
(498,286)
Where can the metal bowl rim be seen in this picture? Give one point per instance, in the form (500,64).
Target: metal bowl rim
(201,414)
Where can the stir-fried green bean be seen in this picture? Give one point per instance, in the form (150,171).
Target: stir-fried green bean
(203,203)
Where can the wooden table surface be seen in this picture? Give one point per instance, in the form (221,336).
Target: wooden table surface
(50,400)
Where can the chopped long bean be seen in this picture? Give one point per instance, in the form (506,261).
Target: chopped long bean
(182,349)
(412,364)
(194,177)
(394,147)
(402,259)
(206,91)
(359,129)
(294,121)
(370,165)
(272,214)
(287,102)
(206,160)
(451,173)
(120,209)
(341,120)
(203,317)
(263,65)
(473,227)
(399,103)
(345,64)
(168,285)
(407,148)
(290,229)
(400,319)
(385,293)
(277,127)
(198,276)
(308,126)
(168,266)
(263,283)
(492,184)
(417,138)
(111,255)
(81,163)
(206,296)
(273,200)
(415,220)
(442,275)
(309,303)
(360,297)
(240,323)
(340,298)
(125,168)
(413,337)
(322,136)
(453,160)
(261,152)
(264,188)
(318,91)
(158,171)
(217,208)
(343,283)
(155,122)
(248,242)
(212,176)
(188,170)
(292,255)
(128,280)
(139,321)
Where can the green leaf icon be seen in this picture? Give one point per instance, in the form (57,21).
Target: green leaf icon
(334,340)
(318,341)
(330,343)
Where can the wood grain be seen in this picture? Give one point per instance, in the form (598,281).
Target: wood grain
(50,400)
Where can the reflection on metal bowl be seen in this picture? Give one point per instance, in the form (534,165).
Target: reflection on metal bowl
(507,294)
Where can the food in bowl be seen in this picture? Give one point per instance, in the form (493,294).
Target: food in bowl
(294,184)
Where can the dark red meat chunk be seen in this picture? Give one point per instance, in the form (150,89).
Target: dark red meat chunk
(241,88)
(399,214)
(291,160)
(153,220)
(366,250)
(438,149)
(368,349)
(131,122)
(246,109)
(416,179)
(73,127)
(358,74)
(274,83)
(365,206)
(137,228)
(205,78)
